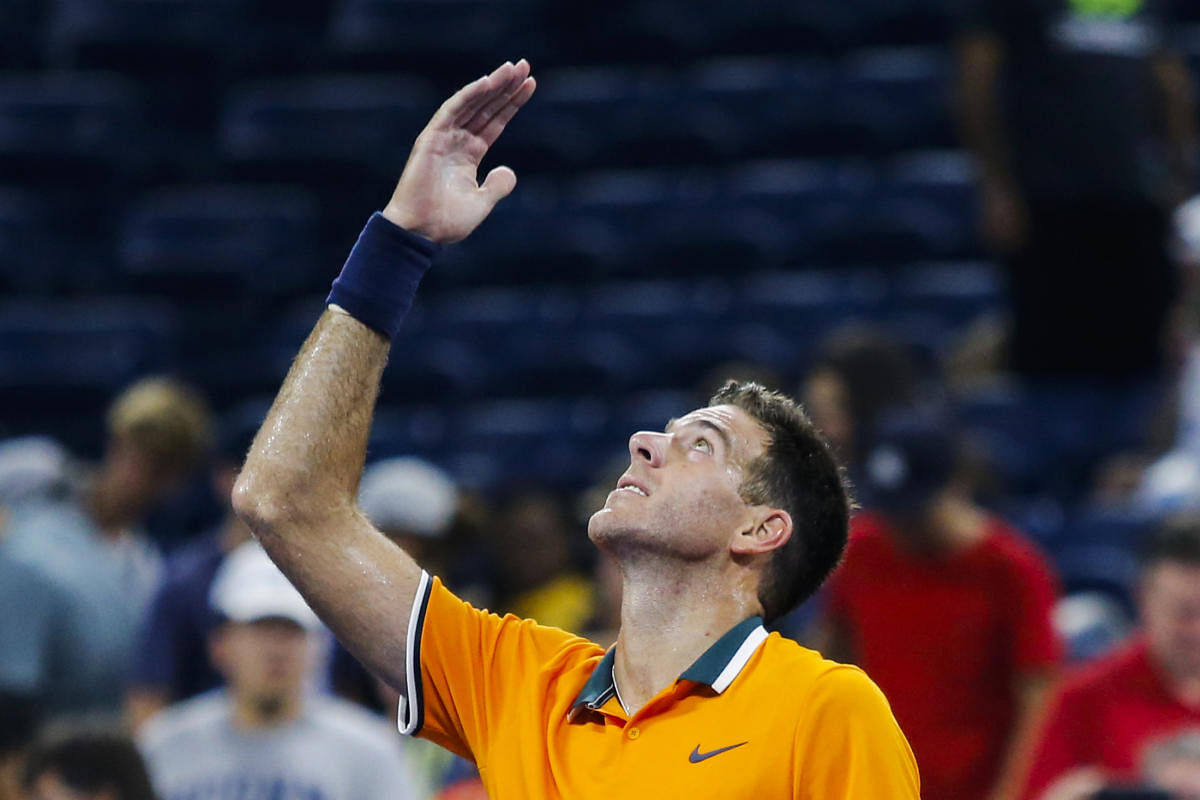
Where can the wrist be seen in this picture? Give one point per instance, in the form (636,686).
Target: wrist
(379,280)
(403,217)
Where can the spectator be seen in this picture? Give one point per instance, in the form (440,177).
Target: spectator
(87,766)
(1173,765)
(1171,483)
(858,374)
(18,729)
(264,735)
(1106,716)
(171,661)
(533,555)
(948,609)
(32,469)
(1080,117)
(41,658)
(90,544)
(413,502)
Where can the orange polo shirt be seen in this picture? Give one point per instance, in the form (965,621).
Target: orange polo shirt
(755,716)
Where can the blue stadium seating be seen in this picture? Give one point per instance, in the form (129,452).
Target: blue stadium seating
(60,361)
(888,100)
(783,106)
(221,240)
(413,34)
(67,129)
(51,245)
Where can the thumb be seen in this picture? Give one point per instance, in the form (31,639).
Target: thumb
(498,184)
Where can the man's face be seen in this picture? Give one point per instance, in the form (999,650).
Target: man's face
(267,660)
(825,400)
(140,479)
(680,495)
(1170,605)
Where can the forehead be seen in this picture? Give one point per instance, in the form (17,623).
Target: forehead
(745,435)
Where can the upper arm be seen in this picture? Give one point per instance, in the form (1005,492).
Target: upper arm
(851,745)
(359,582)
(1057,747)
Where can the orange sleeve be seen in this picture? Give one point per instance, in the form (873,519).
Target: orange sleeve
(849,745)
(467,669)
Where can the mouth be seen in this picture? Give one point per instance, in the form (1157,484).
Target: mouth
(628,484)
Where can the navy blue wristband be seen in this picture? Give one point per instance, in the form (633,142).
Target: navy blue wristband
(380,278)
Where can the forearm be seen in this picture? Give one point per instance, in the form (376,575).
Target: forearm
(306,460)
(1032,694)
(297,492)
(981,124)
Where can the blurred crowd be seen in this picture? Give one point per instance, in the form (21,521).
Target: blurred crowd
(148,648)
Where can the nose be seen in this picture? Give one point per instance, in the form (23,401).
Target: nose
(648,446)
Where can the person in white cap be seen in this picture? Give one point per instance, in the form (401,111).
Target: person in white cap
(412,502)
(265,735)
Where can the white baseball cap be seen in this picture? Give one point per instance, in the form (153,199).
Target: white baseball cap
(410,495)
(249,587)
(32,467)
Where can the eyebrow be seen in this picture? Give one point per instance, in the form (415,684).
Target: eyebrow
(712,426)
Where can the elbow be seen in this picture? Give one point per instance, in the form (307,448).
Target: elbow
(262,503)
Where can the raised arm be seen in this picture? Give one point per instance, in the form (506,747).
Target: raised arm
(298,488)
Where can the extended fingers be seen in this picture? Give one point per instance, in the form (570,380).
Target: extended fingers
(508,81)
(495,126)
(468,101)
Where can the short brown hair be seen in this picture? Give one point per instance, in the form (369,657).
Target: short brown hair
(163,418)
(796,472)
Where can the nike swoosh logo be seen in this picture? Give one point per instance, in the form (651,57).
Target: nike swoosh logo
(696,756)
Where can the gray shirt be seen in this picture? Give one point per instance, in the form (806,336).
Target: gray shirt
(334,751)
(40,655)
(107,582)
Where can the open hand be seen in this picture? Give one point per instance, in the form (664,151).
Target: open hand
(438,195)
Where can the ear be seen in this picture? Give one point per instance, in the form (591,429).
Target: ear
(771,530)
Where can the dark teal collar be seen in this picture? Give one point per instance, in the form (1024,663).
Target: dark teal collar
(716,667)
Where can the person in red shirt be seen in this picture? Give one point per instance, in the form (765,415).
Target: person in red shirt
(948,609)
(1107,716)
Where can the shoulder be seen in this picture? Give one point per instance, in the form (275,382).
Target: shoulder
(1010,546)
(1099,678)
(184,721)
(811,676)
(46,524)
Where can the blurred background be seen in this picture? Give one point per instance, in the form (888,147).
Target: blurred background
(845,201)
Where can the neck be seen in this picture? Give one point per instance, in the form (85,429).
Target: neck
(670,614)
(256,711)
(952,523)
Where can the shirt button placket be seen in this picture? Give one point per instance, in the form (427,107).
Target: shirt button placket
(633,733)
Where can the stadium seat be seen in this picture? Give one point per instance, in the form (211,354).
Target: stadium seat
(888,100)
(958,291)
(68,129)
(221,240)
(415,35)
(783,105)
(51,245)
(61,361)
(345,136)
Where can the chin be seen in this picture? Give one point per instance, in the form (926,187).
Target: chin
(607,531)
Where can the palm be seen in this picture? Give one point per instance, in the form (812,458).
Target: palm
(438,195)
